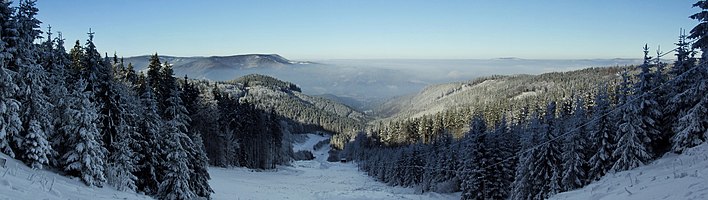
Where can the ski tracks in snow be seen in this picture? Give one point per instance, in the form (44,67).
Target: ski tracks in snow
(313,179)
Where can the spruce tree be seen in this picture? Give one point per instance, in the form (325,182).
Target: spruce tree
(648,107)
(546,166)
(36,123)
(631,148)
(176,182)
(602,136)
(524,186)
(10,123)
(86,154)
(473,173)
(691,128)
(149,166)
(501,147)
(574,175)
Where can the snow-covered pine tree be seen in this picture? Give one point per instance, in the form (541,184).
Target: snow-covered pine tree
(546,167)
(10,123)
(473,174)
(76,69)
(176,181)
(574,161)
(199,179)
(413,166)
(649,112)
(502,145)
(122,157)
(524,185)
(35,104)
(85,154)
(154,78)
(96,73)
(149,166)
(163,86)
(176,110)
(691,128)
(54,59)
(432,165)
(631,148)
(662,141)
(601,136)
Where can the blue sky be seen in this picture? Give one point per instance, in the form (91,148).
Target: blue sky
(363,29)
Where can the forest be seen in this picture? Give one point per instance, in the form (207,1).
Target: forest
(96,118)
(540,147)
(93,117)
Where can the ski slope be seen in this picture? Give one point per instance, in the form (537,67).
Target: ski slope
(313,179)
(672,177)
(19,182)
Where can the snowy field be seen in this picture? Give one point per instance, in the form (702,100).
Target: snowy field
(672,177)
(19,182)
(314,179)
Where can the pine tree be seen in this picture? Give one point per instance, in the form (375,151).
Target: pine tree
(501,170)
(649,112)
(524,185)
(474,176)
(631,146)
(54,58)
(36,122)
(602,137)
(77,68)
(700,31)
(574,175)
(691,128)
(10,123)
(149,167)
(176,183)
(86,156)
(95,71)
(199,178)
(546,165)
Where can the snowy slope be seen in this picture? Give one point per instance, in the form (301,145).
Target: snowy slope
(312,179)
(672,177)
(18,182)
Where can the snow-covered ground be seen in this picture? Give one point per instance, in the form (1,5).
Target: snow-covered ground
(672,177)
(19,182)
(313,179)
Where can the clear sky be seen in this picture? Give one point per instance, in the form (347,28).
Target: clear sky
(373,29)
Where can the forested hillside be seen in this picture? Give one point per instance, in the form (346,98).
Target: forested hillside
(94,117)
(448,106)
(535,139)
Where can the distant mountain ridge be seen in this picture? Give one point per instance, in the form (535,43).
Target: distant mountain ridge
(201,66)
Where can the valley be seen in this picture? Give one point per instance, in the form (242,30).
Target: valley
(470,100)
(309,179)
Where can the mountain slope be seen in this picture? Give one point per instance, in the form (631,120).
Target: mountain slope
(309,113)
(671,177)
(496,90)
(210,67)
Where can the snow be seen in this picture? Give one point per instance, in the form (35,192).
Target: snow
(313,179)
(17,181)
(671,177)
(525,95)
(312,139)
